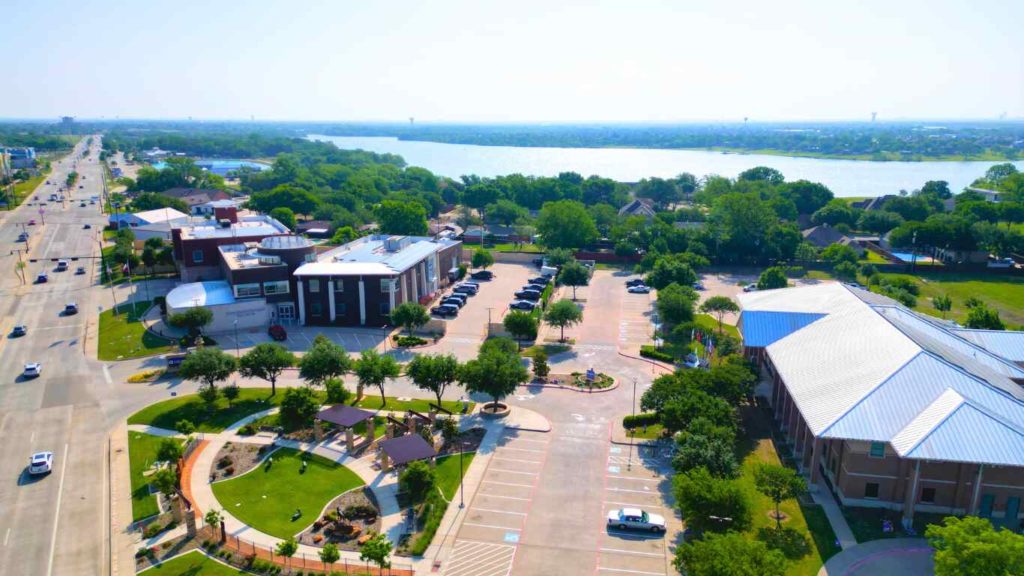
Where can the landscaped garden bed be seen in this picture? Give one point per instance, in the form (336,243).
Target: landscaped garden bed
(346,519)
(429,513)
(168,413)
(237,458)
(466,441)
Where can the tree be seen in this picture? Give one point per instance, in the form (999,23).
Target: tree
(192,319)
(170,450)
(662,192)
(482,259)
(166,481)
(373,369)
(762,174)
(669,269)
(675,304)
(574,274)
(433,373)
(184,427)
(521,325)
(377,550)
(213,517)
(943,303)
(879,221)
(711,504)
(231,392)
(566,224)
(287,548)
(417,480)
(403,218)
(971,545)
(324,360)
(298,407)
(151,201)
(729,555)
(679,411)
(713,454)
(505,212)
(836,253)
(494,372)
(845,271)
(778,483)
(837,211)
(209,395)
(772,278)
(344,235)
(984,317)
(266,361)
(719,306)
(558,257)
(207,365)
(540,364)
(284,215)
(329,554)
(563,313)
(410,315)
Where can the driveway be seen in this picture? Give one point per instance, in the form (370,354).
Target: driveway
(892,557)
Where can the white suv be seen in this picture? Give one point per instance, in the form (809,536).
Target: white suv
(636,519)
(40,463)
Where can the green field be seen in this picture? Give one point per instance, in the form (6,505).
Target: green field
(193,563)
(447,473)
(1003,293)
(23,189)
(125,336)
(189,407)
(142,450)
(710,323)
(267,497)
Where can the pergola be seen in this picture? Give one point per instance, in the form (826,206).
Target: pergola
(404,449)
(346,417)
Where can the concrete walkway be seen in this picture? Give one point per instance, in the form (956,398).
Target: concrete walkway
(823,497)
(890,557)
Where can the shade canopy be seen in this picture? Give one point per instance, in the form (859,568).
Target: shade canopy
(344,416)
(408,448)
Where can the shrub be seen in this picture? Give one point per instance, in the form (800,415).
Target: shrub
(648,351)
(640,420)
(406,341)
(247,430)
(225,461)
(152,530)
(336,391)
(795,272)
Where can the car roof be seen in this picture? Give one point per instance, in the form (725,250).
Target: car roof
(42,455)
(632,512)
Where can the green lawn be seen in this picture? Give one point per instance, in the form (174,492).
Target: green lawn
(549,349)
(510,247)
(193,563)
(371,401)
(1003,293)
(866,523)
(124,336)
(448,473)
(710,323)
(871,257)
(650,432)
(189,407)
(266,498)
(142,450)
(23,189)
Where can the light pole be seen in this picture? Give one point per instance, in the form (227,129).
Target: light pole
(236,339)
(629,463)
(462,503)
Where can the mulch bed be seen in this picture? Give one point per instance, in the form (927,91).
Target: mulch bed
(346,532)
(172,547)
(237,458)
(468,440)
(579,380)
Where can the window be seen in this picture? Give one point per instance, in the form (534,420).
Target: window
(278,287)
(247,290)
(385,308)
(316,309)
(871,490)
(340,310)
(928,495)
(314,285)
(197,256)
(339,284)
(877,450)
(310,257)
(385,285)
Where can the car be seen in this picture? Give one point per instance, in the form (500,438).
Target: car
(454,301)
(691,361)
(750,288)
(70,309)
(635,282)
(80,187)
(277,332)
(19,330)
(465,289)
(81,205)
(470,283)
(32,222)
(62,265)
(80,270)
(42,278)
(1001,263)
(636,519)
(87,227)
(538,262)
(22,237)
(522,305)
(445,310)
(458,296)
(528,294)
(482,275)
(32,370)
(40,463)
(639,289)
(532,286)
(541,280)
(698,286)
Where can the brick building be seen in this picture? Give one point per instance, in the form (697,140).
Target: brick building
(197,242)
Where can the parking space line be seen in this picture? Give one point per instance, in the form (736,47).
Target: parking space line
(506,483)
(520,449)
(633,491)
(545,442)
(504,497)
(503,459)
(491,526)
(619,551)
(633,478)
(513,472)
(633,505)
(498,511)
(603,568)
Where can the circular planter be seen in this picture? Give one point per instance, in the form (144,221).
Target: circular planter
(493,412)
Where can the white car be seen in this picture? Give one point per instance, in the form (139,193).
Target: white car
(636,519)
(33,370)
(639,289)
(40,463)
(750,288)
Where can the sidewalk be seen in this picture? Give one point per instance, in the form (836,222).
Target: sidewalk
(823,497)
(124,542)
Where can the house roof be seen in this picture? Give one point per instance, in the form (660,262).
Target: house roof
(824,236)
(378,255)
(408,448)
(207,194)
(160,215)
(1009,345)
(869,369)
(638,207)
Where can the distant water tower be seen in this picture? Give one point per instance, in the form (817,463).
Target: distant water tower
(411,120)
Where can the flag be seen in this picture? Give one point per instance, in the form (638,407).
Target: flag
(124,269)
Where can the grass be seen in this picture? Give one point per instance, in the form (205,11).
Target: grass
(193,563)
(866,523)
(510,247)
(167,413)
(23,189)
(871,257)
(125,336)
(650,432)
(710,324)
(447,473)
(1003,293)
(549,349)
(372,402)
(142,449)
(267,497)
(447,477)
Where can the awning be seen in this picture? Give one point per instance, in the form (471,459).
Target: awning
(343,415)
(408,448)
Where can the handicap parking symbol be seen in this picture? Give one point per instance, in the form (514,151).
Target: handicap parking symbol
(512,537)
(614,469)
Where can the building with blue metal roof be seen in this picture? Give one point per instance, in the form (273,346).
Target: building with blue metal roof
(889,408)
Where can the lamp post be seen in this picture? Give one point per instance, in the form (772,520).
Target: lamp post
(236,339)
(462,502)
(629,463)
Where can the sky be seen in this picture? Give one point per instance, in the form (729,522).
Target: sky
(513,61)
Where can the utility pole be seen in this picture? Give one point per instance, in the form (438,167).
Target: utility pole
(629,463)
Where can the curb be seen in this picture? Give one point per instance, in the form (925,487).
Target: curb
(572,388)
(648,360)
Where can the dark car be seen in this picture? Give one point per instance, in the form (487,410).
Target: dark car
(538,262)
(541,280)
(19,330)
(42,278)
(445,310)
(453,300)
(482,275)
(466,289)
(528,295)
(532,286)
(87,227)
(71,309)
(634,282)
(522,305)
(277,332)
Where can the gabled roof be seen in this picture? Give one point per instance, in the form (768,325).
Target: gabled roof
(638,207)
(760,328)
(1004,343)
(824,236)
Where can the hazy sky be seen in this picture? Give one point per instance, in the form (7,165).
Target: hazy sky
(513,60)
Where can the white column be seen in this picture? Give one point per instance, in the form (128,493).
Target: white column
(330,298)
(408,291)
(436,284)
(391,292)
(362,301)
(302,303)
(977,490)
(422,266)
(415,296)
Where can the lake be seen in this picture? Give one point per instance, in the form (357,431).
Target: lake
(221,167)
(843,177)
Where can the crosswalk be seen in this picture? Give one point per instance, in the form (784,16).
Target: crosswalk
(473,558)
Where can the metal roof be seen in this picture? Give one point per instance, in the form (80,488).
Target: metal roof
(212,293)
(378,255)
(761,328)
(408,448)
(343,415)
(1004,343)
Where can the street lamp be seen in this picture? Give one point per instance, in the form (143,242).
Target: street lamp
(462,503)
(629,463)
(236,338)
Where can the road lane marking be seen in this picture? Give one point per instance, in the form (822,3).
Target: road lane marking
(629,571)
(619,551)
(56,514)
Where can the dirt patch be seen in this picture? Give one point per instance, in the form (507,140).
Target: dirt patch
(466,441)
(347,518)
(237,458)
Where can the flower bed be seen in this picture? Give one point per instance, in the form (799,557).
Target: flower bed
(346,518)
(237,458)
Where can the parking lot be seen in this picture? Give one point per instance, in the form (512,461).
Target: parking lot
(612,318)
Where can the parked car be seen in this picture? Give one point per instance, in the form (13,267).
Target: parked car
(1001,263)
(635,519)
(277,332)
(537,287)
(458,296)
(32,222)
(639,289)
(538,262)
(698,286)
(32,370)
(87,227)
(81,205)
(40,463)
(466,289)
(482,275)
(454,301)
(19,330)
(42,278)
(80,270)
(541,280)
(70,309)
(522,305)
(470,283)
(635,282)
(750,288)
(528,295)
(445,310)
